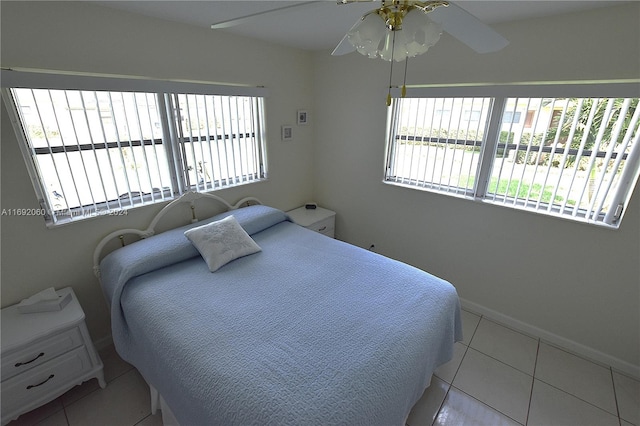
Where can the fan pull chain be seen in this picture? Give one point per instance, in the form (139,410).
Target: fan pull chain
(404,82)
(393,50)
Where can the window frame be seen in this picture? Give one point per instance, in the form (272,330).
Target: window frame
(499,93)
(172,140)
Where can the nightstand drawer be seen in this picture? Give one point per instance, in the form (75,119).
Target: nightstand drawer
(325,226)
(44,380)
(39,352)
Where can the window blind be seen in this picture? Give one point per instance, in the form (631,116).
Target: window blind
(94,152)
(567,156)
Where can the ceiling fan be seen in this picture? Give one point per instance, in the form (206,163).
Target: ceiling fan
(391,14)
(419,23)
(400,29)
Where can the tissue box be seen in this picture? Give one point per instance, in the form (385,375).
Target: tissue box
(33,305)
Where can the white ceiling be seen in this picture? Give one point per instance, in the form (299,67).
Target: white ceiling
(320,25)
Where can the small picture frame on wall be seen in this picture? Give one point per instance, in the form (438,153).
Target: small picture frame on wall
(302,117)
(287,133)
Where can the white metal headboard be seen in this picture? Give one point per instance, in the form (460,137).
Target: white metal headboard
(188,197)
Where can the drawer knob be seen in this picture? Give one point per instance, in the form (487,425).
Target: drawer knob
(29,362)
(41,383)
(323,228)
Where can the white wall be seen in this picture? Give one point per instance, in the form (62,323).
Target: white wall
(74,36)
(505,260)
(576,282)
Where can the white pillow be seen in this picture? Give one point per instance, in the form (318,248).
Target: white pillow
(221,242)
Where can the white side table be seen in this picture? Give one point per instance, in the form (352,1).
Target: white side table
(318,219)
(44,355)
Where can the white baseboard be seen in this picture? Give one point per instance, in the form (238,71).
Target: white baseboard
(554,339)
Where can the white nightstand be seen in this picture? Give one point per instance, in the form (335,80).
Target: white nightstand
(318,219)
(44,355)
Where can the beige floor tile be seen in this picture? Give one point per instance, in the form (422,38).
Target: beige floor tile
(551,406)
(506,345)
(151,420)
(490,387)
(39,414)
(628,396)
(462,409)
(114,366)
(426,409)
(79,391)
(125,401)
(469,324)
(448,371)
(494,383)
(58,419)
(582,378)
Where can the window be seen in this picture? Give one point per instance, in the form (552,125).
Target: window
(218,135)
(435,151)
(93,152)
(573,157)
(511,117)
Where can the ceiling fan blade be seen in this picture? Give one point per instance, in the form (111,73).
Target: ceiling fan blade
(468,29)
(244,19)
(345,45)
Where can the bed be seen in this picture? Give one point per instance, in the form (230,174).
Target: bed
(305,330)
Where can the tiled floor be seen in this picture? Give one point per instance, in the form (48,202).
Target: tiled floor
(497,377)
(501,377)
(124,402)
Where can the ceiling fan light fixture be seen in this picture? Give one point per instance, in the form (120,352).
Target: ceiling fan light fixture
(420,32)
(395,47)
(396,31)
(368,35)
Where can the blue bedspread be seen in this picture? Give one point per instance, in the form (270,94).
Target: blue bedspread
(309,331)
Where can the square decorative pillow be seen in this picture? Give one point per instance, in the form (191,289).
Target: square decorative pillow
(221,242)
